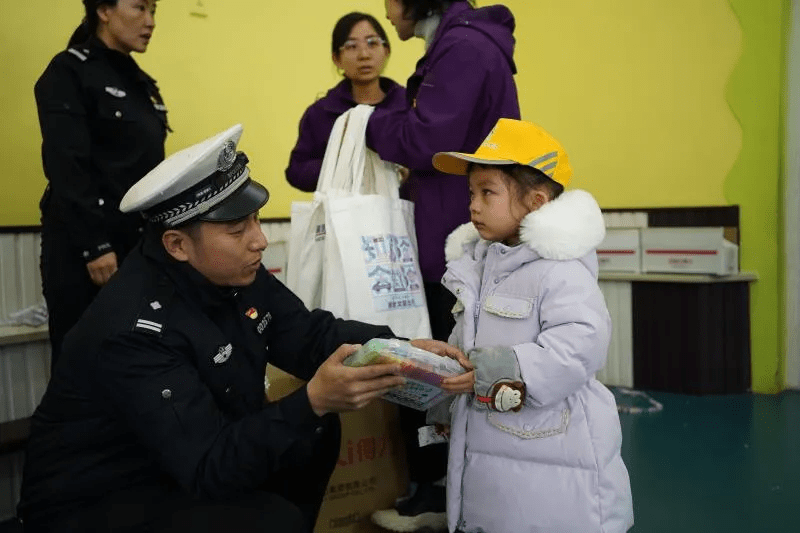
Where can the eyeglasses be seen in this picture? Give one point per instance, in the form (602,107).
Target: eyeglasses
(373,43)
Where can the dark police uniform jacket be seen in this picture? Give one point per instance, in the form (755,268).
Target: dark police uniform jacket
(103,125)
(163,377)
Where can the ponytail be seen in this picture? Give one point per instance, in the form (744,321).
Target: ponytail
(80,35)
(88,25)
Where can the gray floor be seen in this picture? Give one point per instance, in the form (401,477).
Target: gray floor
(710,464)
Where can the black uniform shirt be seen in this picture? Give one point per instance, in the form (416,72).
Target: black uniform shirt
(103,128)
(163,378)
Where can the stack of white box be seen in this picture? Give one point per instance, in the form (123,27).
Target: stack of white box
(630,246)
(689,251)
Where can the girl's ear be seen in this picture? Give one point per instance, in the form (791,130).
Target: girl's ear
(537,199)
(337,62)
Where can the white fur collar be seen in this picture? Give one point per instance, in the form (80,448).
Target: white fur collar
(569,227)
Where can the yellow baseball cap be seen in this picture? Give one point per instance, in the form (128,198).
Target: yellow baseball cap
(513,142)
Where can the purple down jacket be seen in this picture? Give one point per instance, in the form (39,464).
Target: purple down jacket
(462,85)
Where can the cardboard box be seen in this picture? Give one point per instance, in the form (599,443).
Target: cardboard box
(371,473)
(620,251)
(688,250)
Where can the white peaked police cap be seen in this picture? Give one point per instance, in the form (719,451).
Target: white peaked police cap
(207,181)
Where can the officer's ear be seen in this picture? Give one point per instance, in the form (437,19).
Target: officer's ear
(178,243)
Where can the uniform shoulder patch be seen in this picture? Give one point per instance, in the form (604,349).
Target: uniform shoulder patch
(82,53)
(153,310)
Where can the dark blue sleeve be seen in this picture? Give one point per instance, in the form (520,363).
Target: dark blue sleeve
(67,155)
(301,340)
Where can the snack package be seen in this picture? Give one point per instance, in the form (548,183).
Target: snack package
(424,371)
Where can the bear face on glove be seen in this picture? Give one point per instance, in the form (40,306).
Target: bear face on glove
(504,396)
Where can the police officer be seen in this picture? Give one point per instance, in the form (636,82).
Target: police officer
(156,419)
(103,125)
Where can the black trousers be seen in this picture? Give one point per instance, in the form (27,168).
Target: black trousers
(67,287)
(288,503)
(428,464)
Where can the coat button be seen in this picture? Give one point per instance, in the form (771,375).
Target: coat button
(318,431)
(227,390)
(118,114)
(166,394)
(101,202)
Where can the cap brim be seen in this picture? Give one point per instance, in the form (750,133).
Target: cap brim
(457,163)
(248,199)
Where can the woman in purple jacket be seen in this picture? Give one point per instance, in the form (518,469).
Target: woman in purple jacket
(462,85)
(360,49)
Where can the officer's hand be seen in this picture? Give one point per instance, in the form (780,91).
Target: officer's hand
(335,387)
(101,269)
(443,349)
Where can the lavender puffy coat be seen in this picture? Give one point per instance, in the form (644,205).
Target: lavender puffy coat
(461,86)
(316,124)
(554,466)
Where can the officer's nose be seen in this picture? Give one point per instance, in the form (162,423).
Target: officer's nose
(259,242)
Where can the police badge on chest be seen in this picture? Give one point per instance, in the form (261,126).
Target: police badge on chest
(253,314)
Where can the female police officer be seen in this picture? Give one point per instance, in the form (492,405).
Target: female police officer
(156,419)
(103,127)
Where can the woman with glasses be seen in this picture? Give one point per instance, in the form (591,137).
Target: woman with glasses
(360,49)
(103,127)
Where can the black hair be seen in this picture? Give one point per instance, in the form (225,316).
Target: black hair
(418,10)
(343,27)
(155,230)
(88,25)
(525,179)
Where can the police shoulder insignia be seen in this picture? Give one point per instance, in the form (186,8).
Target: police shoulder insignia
(153,311)
(148,326)
(82,54)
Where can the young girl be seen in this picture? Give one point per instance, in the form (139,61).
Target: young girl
(359,48)
(536,446)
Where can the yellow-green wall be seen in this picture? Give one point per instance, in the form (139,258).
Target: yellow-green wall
(659,103)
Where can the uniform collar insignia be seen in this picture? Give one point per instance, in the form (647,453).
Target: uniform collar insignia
(113,91)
